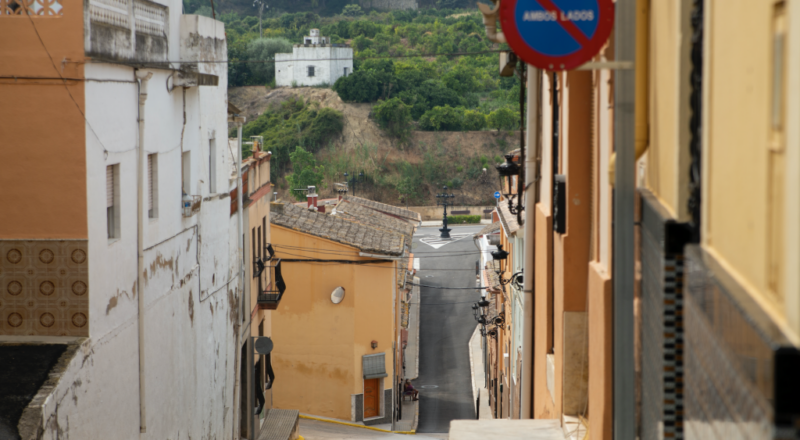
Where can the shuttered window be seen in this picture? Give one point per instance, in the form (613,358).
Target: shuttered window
(109,186)
(150,188)
(112,201)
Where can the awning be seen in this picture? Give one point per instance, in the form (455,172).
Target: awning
(374,365)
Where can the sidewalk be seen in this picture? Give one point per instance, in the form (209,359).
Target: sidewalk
(478,375)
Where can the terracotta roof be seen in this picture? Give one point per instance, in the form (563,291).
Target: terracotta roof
(387,209)
(494,227)
(508,219)
(362,214)
(365,236)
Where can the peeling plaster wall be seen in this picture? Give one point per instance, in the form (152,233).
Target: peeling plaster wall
(191,290)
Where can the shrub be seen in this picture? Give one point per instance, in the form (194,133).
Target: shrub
(503,119)
(393,116)
(442,119)
(455,219)
(361,86)
(474,120)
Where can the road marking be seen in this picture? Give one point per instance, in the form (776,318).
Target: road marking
(435,242)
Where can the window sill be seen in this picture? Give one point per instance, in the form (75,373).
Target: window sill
(112,241)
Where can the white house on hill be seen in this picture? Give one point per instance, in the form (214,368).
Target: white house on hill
(315,62)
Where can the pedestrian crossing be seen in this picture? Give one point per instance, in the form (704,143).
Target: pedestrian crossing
(436,242)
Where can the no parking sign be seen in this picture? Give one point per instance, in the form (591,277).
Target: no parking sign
(556,34)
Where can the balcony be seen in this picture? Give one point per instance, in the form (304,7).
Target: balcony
(126,30)
(268,272)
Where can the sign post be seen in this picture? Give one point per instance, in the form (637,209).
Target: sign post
(556,34)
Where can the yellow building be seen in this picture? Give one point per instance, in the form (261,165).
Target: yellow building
(336,331)
(722,167)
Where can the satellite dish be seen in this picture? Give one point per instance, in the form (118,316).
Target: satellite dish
(263,345)
(338,295)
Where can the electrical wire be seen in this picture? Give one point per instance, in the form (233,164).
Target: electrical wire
(350,253)
(270,60)
(44,46)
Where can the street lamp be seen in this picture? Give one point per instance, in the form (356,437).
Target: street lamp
(444,197)
(354,180)
(507,171)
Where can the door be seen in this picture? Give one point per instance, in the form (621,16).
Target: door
(372,398)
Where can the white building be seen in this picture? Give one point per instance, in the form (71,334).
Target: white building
(135,279)
(313,63)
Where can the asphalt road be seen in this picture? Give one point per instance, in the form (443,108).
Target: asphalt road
(446,324)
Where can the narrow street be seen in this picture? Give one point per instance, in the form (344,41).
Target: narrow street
(446,324)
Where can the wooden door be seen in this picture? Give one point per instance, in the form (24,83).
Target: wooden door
(372,398)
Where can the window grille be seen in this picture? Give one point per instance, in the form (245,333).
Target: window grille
(310,70)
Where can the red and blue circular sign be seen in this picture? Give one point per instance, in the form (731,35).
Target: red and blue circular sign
(556,34)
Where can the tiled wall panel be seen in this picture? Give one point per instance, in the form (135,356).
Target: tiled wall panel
(44,287)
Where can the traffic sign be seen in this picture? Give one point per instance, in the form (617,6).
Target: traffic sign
(497,194)
(556,34)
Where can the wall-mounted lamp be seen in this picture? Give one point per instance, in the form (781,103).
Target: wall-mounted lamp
(374,344)
(507,171)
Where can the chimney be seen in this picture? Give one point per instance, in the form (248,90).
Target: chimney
(276,207)
(311,197)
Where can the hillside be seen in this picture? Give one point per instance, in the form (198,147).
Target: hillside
(424,163)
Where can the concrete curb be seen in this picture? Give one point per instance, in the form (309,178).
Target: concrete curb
(475,391)
(354,425)
(419,307)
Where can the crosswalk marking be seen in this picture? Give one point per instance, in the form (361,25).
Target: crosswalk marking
(435,242)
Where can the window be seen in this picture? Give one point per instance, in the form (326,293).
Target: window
(212,166)
(152,185)
(112,201)
(345,71)
(186,172)
(310,71)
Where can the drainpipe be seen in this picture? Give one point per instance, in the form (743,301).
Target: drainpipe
(531,175)
(240,239)
(642,73)
(623,241)
(143,77)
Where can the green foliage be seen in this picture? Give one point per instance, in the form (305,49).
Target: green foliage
(422,79)
(306,172)
(456,219)
(394,116)
(442,119)
(352,10)
(264,49)
(503,119)
(361,86)
(294,123)
(474,120)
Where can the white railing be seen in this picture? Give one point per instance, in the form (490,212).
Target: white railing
(149,18)
(110,12)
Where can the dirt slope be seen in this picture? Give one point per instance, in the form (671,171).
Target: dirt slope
(364,146)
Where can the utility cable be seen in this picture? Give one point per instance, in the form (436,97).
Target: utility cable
(270,60)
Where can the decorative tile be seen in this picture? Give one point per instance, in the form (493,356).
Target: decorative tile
(44,287)
(31,7)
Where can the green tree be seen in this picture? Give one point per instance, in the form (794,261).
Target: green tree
(394,116)
(503,119)
(474,120)
(442,119)
(352,10)
(361,86)
(265,49)
(306,172)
